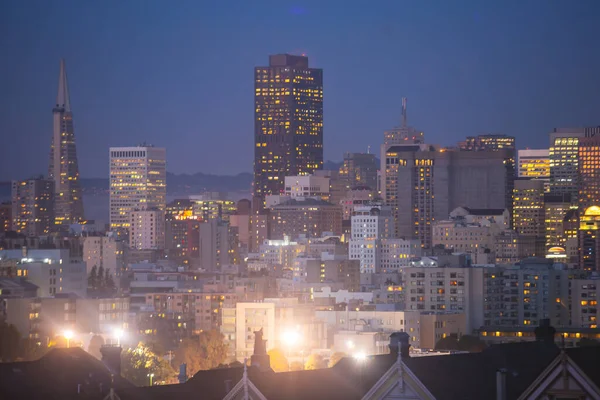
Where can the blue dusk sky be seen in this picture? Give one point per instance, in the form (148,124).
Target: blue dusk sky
(179,74)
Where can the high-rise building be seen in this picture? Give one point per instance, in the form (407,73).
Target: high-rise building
(63,168)
(556,208)
(429,184)
(534,164)
(487,142)
(5,216)
(288,122)
(589,172)
(104,251)
(181,230)
(214,245)
(589,239)
(359,170)
(137,182)
(564,159)
(147,229)
(528,208)
(398,138)
(33,206)
(212,206)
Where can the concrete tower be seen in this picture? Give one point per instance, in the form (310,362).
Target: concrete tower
(64,169)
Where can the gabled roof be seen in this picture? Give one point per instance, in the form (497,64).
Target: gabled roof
(57,375)
(453,376)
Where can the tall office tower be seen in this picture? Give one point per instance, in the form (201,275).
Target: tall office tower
(589,172)
(288,122)
(33,206)
(359,169)
(181,230)
(502,143)
(556,208)
(137,182)
(589,239)
(429,184)
(487,142)
(564,160)
(528,208)
(63,168)
(534,164)
(401,136)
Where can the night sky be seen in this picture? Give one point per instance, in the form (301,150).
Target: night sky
(179,73)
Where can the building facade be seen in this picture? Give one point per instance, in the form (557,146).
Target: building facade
(534,164)
(64,168)
(137,182)
(528,208)
(288,122)
(307,186)
(589,172)
(147,229)
(359,170)
(33,206)
(309,217)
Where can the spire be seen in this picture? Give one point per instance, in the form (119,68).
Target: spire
(62,98)
(403,112)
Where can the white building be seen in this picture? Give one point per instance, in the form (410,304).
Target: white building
(534,163)
(280,252)
(138,177)
(372,243)
(54,271)
(147,229)
(103,251)
(307,186)
(343,296)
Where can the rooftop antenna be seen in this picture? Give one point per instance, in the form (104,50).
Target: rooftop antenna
(369,149)
(404,112)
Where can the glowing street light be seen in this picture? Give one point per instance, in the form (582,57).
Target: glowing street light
(118,334)
(350,344)
(68,335)
(291,338)
(360,356)
(151,376)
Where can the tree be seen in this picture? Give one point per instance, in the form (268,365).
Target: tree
(279,363)
(296,366)
(9,342)
(587,342)
(140,361)
(109,283)
(471,344)
(96,343)
(31,350)
(93,278)
(315,361)
(100,283)
(448,343)
(336,357)
(204,351)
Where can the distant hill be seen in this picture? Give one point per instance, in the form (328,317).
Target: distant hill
(176,184)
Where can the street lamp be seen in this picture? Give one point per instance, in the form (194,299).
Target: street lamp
(350,344)
(290,338)
(118,334)
(68,335)
(360,356)
(151,376)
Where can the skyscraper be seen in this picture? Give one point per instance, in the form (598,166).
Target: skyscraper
(288,122)
(137,182)
(589,172)
(32,206)
(399,139)
(359,169)
(534,164)
(564,161)
(63,168)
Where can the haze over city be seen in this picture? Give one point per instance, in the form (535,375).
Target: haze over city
(181,76)
(330,200)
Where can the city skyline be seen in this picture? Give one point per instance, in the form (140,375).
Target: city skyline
(441,98)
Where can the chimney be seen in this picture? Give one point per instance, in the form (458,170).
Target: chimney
(399,342)
(111,357)
(501,384)
(545,332)
(182,373)
(260,358)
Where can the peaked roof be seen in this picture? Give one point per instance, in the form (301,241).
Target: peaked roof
(452,376)
(57,375)
(62,97)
